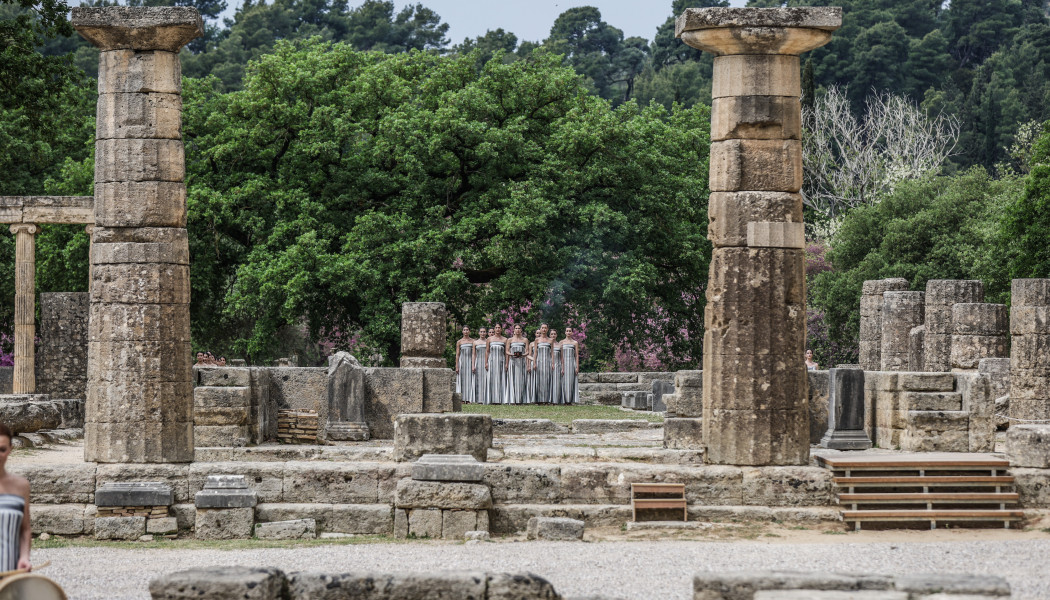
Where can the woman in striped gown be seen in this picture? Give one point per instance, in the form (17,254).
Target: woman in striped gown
(15,530)
(556,372)
(517,366)
(481,379)
(544,374)
(570,359)
(497,374)
(465,366)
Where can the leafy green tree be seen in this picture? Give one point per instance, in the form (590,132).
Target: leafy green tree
(489,44)
(977,28)
(598,51)
(374,26)
(938,228)
(1026,221)
(339,184)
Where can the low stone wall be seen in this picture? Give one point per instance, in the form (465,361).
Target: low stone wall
(796,585)
(609,388)
(388,392)
(36,412)
(222,583)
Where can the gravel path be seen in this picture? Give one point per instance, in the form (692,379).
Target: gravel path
(635,570)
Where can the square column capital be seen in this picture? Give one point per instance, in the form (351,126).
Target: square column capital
(165,28)
(724,31)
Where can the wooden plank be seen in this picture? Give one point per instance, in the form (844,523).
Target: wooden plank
(659,503)
(923,460)
(935,497)
(977,480)
(933,515)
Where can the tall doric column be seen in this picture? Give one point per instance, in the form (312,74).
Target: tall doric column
(25,308)
(755,384)
(140,393)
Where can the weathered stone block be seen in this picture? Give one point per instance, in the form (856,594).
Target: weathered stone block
(177,253)
(756,118)
(162,526)
(818,395)
(1033,486)
(555,529)
(140,283)
(140,323)
(438,387)
(221,436)
(220,583)
(932,401)
(120,528)
(222,376)
(947,292)
(425,523)
(374,519)
(787,486)
(776,235)
(456,523)
(901,312)
(442,495)
(1029,445)
(134,493)
(356,483)
(224,523)
(447,467)
(1030,292)
(756,165)
(979,319)
(167,400)
(61,519)
(380,586)
(138,28)
(136,115)
(926,382)
(297,529)
(419,434)
(756,75)
(756,437)
(1026,320)
(968,350)
(164,442)
(130,72)
(139,160)
(423,332)
(618,377)
(140,204)
(389,393)
(524,484)
(755,381)
(684,434)
(598,426)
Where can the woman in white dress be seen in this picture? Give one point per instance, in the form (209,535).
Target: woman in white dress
(544,374)
(481,380)
(557,367)
(497,354)
(517,366)
(465,369)
(570,358)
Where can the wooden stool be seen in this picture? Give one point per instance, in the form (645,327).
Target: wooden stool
(653,496)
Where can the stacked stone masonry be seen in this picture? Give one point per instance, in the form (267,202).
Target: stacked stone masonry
(901,312)
(978,331)
(140,393)
(941,296)
(754,387)
(614,389)
(930,412)
(871,320)
(1030,351)
(61,365)
(423,335)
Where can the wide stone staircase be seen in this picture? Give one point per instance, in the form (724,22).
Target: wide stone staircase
(973,490)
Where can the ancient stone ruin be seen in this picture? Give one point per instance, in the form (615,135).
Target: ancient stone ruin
(754,380)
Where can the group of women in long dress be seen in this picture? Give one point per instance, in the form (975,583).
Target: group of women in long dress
(493,369)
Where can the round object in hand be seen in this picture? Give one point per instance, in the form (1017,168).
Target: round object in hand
(30,586)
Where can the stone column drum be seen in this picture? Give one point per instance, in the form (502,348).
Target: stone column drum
(979,330)
(901,312)
(941,295)
(423,335)
(871,319)
(1030,351)
(140,394)
(25,308)
(754,391)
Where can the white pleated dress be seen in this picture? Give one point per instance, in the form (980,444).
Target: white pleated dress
(12,511)
(497,373)
(543,376)
(465,378)
(516,380)
(556,377)
(481,379)
(570,384)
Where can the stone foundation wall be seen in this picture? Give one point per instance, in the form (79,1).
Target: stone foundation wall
(61,356)
(609,388)
(388,393)
(930,412)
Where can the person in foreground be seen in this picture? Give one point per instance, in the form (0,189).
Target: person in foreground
(16,534)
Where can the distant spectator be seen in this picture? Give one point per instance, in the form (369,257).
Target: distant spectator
(810,363)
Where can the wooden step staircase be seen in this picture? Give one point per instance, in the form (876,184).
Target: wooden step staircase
(658,496)
(959,488)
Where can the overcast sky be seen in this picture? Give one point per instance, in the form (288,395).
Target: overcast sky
(532,20)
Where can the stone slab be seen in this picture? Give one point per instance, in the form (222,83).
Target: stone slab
(224,523)
(120,528)
(135,493)
(447,467)
(419,434)
(555,529)
(298,529)
(220,583)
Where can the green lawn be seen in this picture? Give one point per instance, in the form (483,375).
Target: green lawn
(559,414)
